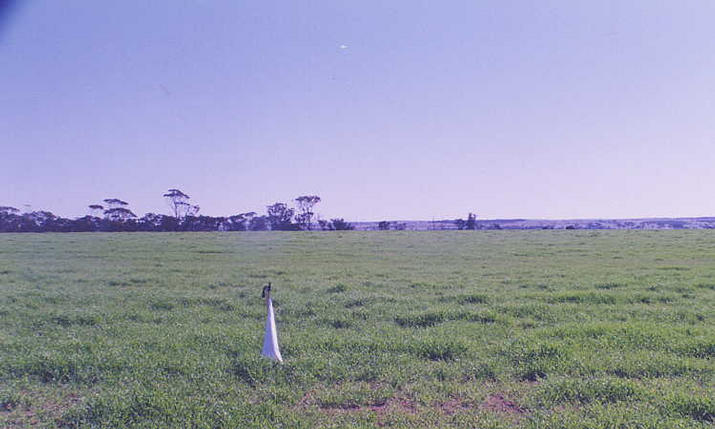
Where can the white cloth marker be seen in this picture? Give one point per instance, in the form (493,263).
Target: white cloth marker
(270,339)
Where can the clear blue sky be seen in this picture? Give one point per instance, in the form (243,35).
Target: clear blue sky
(386,109)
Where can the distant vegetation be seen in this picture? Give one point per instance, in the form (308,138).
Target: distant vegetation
(114,214)
(472,223)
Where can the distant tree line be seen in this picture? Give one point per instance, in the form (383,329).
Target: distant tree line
(114,214)
(470,223)
(387,225)
(461,224)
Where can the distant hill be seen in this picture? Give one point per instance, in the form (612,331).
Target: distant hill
(638,223)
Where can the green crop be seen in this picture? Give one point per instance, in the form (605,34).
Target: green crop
(489,329)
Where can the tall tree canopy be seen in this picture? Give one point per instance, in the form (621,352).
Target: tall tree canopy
(305,214)
(280,217)
(179,204)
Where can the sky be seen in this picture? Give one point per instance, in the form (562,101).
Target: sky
(385,109)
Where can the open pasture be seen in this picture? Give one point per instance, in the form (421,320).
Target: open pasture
(531,329)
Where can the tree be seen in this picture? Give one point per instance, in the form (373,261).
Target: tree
(115,202)
(188,210)
(305,214)
(119,214)
(7,210)
(157,222)
(279,217)
(179,204)
(117,210)
(239,222)
(10,220)
(258,223)
(471,221)
(339,224)
(150,222)
(201,223)
(383,225)
(95,210)
(84,224)
(40,221)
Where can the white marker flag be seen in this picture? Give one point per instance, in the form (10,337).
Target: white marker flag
(270,340)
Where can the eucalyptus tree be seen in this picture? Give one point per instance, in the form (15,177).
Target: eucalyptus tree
(115,203)
(7,210)
(179,204)
(119,214)
(95,210)
(339,224)
(305,214)
(279,217)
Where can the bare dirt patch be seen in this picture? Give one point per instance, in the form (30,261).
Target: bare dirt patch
(40,412)
(382,409)
(391,405)
(498,403)
(454,406)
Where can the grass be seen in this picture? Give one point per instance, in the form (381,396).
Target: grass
(490,329)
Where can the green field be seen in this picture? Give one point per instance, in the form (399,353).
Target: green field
(533,329)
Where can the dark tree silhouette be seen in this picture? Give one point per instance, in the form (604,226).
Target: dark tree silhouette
(10,220)
(305,214)
(118,217)
(7,210)
(383,225)
(239,222)
(40,221)
(471,221)
(339,224)
(258,223)
(279,217)
(187,210)
(95,210)
(84,224)
(119,214)
(150,222)
(115,202)
(179,204)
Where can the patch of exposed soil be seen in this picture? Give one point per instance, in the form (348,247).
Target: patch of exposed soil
(454,406)
(41,412)
(392,404)
(498,403)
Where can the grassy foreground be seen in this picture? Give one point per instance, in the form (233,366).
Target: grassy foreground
(532,329)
